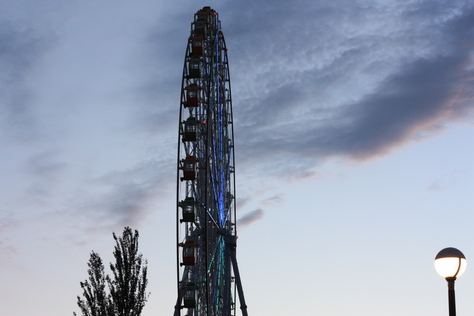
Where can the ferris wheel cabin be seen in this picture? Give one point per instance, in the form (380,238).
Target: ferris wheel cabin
(189,168)
(188,210)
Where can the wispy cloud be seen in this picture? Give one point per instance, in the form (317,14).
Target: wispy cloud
(449,180)
(21,47)
(250,218)
(8,223)
(125,197)
(7,249)
(298,116)
(277,199)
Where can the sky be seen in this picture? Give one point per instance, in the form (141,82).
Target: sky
(354,135)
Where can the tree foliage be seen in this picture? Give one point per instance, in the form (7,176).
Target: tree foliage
(126,295)
(95,298)
(128,285)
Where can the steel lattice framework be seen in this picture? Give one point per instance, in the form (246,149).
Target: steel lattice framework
(206,232)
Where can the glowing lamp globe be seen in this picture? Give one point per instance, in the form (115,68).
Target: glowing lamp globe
(450,263)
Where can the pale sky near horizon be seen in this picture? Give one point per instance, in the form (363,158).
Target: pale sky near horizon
(354,149)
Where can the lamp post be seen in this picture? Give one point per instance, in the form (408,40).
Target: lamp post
(450,263)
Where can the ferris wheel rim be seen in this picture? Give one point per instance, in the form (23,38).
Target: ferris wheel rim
(219,185)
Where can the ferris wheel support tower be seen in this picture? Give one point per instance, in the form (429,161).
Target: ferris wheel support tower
(207,270)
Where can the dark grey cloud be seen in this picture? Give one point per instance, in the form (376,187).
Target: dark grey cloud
(404,104)
(294,117)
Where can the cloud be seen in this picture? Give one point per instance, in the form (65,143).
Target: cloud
(296,117)
(7,251)
(21,47)
(277,199)
(449,180)
(42,164)
(8,223)
(417,98)
(125,197)
(250,218)
(435,187)
(310,81)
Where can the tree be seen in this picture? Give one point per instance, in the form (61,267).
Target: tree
(95,300)
(128,286)
(126,294)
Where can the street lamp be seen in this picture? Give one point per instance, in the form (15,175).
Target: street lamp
(450,263)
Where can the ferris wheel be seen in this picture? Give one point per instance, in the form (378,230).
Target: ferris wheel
(208,275)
